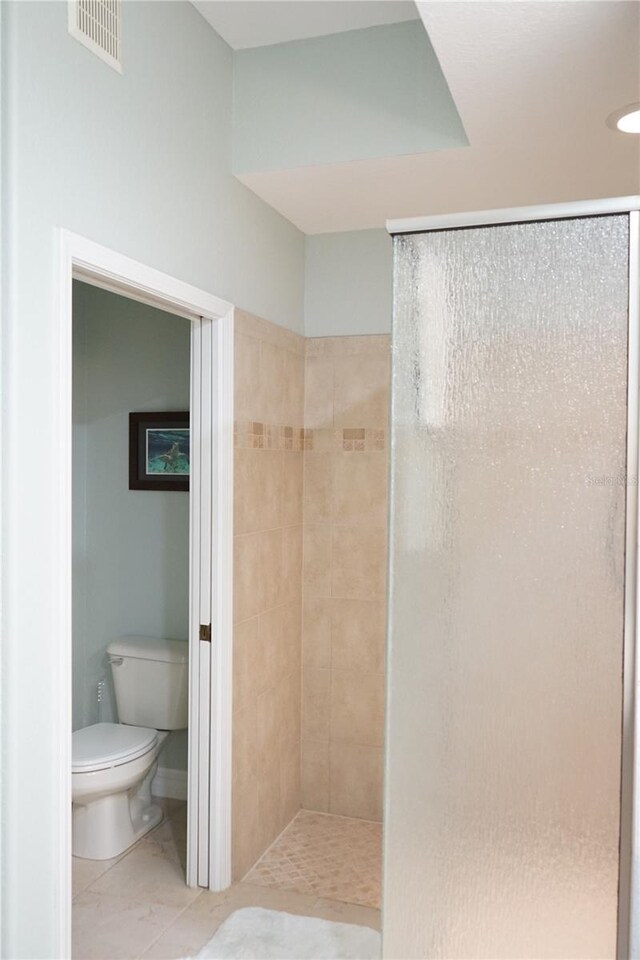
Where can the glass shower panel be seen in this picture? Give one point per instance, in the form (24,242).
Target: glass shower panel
(506,591)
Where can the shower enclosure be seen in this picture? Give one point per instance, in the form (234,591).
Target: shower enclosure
(512,584)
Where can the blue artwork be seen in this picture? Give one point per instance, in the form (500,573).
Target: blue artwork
(168,452)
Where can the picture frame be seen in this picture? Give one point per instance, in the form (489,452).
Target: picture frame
(159,450)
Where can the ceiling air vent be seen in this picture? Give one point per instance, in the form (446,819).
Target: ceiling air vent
(97,25)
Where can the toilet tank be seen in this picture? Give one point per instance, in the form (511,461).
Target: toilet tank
(151,681)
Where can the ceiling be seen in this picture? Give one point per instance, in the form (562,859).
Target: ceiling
(259,23)
(533,83)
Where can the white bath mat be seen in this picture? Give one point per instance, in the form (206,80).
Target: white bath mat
(256,934)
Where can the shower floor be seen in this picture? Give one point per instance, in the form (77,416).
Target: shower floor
(333,857)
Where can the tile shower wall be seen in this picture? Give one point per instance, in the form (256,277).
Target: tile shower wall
(269,407)
(344,580)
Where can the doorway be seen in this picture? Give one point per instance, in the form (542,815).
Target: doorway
(210,594)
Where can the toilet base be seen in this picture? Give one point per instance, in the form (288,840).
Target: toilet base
(105,827)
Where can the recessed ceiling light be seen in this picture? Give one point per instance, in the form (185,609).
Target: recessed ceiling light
(627,120)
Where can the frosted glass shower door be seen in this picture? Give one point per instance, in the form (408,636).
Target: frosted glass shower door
(509,421)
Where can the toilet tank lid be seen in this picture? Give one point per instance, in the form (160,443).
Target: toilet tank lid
(150,648)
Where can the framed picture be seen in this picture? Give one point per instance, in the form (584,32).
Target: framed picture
(159,451)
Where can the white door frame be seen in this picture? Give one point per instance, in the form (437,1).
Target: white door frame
(83,259)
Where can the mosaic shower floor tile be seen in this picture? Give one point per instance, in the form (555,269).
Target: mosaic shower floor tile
(332,857)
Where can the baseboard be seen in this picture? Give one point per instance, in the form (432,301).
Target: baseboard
(171,784)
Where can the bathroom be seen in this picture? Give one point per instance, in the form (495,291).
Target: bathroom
(310,507)
(130,565)
(134,169)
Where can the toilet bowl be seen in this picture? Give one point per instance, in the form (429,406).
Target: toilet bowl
(114,763)
(113,766)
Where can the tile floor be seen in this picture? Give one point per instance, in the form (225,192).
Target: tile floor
(138,905)
(333,857)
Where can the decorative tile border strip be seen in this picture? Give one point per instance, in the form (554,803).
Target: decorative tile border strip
(256,435)
(359,439)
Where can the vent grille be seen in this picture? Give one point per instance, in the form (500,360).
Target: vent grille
(97,25)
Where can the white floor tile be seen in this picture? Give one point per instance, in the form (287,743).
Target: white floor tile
(112,928)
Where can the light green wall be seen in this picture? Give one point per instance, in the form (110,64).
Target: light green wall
(348,283)
(141,163)
(131,547)
(348,96)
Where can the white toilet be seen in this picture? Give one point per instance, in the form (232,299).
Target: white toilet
(114,763)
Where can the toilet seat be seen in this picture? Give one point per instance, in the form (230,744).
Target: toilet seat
(105,745)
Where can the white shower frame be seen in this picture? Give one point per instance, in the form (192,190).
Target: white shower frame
(629,870)
(210,681)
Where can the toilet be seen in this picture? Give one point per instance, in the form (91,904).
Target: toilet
(114,763)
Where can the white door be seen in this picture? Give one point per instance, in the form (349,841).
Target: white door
(208,837)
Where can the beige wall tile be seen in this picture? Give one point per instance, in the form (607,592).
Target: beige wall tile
(268,514)
(316,685)
(271,574)
(342,550)
(293,394)
(360,489)
(317,560)
(379,344)
(358,562)
(347,385)
(361,391)
(248,662)
(246,376)
(292,486)
(358,635)
(292,628)
(245,744)
(245,826)
(258,572)
(292,563)
(316,632)
(289,782)
(356,781)
(272,383)
(290,710)
(317,346)
(318,389)
(269,804)
(270,478)
(269,715)
(357,707)
(247,565)
(314,783)
(258,490)
(318,486)
(271,662)
(251,326)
